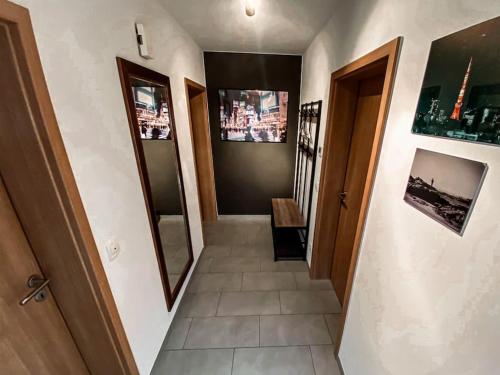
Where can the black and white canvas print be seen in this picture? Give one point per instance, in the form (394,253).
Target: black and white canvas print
(444,187)
(460,96)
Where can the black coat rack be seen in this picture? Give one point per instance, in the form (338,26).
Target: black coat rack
(290,237)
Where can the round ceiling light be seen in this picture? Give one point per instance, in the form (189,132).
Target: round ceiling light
(249,9)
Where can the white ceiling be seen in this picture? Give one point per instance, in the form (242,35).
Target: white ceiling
(279,26)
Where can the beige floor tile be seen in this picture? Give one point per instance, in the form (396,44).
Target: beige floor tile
(194,362)
(269,265)
(223,332)
(324,360)
(216,251)
(203,265)
(249,303)
(291,330)
(309,302)
(199,305)
(215,282)
(304,282)
(333,322)
(264,251)
(235,264)
(177,333)
(217,239)
(273,361)
(268,281)
(251,234)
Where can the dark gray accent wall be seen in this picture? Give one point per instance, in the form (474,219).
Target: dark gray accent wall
(162,173)
(248,175)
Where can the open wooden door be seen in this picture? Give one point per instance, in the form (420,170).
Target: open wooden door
(202,149)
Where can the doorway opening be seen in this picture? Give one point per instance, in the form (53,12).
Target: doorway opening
(360,94)
(196,96)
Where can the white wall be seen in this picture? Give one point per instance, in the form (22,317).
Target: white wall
(78,43)
(425,300)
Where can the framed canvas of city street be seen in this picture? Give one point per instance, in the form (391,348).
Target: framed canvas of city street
(444,187)
(460,96)
(253,115)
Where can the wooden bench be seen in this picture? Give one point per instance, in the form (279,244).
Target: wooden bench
(287,213)
(286,222)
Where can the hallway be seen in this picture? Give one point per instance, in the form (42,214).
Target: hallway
(249,187)
(243,313)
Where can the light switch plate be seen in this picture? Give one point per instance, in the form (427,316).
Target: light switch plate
(112,248)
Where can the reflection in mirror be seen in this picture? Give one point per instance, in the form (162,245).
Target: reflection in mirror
(153,117)
(153,127)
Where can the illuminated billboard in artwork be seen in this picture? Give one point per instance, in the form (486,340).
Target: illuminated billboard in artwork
(253,115)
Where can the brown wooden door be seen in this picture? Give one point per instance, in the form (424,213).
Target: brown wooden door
(202,150)
(41,189)
(199,130)
(34,338)
(364,126)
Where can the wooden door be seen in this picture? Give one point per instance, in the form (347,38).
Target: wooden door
(34,338)
(37,176)
(196,105)
(364,127)
(202,150)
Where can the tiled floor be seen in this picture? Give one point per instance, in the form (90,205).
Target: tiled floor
(245,314)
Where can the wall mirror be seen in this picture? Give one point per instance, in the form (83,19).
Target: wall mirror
(151,118)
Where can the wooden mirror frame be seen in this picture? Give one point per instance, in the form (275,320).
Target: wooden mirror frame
(127,71)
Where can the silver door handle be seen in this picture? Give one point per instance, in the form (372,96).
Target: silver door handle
(38,283)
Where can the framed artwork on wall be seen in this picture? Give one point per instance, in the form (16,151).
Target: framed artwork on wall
(444,187)
(253,115)
(460,95)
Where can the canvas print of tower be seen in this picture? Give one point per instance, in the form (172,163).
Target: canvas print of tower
(460,96)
